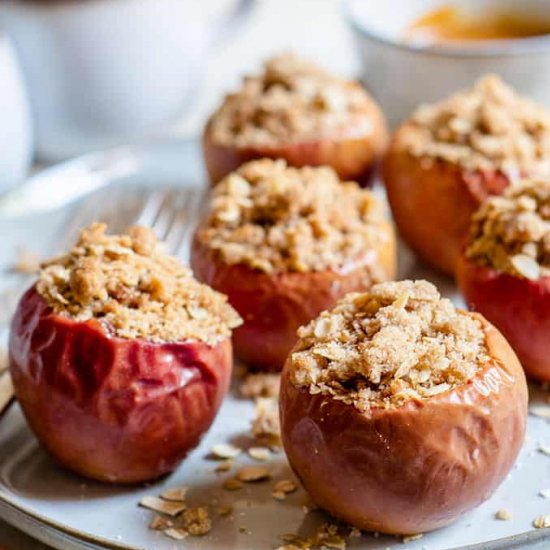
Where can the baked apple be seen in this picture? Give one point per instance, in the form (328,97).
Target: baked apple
(119,358)
(504,270)
(449,157)
(296,111)
(285,243)
(399,412)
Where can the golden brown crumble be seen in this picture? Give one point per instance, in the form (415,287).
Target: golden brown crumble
(398,341)
(134,288)
(291,100)
(276,218)
(512,232)
(487,127)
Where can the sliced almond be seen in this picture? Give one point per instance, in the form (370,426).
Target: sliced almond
(176,533)
(278,495)
(411,538)
(224,466)
(544,493)
(334,542)
(224,511)
(542,411)
(253,473)
(176,494)
(259,453)
(163,506)
(225,450)
(544,449)
(285,486)
(526,266)
(503,515)
(541,522)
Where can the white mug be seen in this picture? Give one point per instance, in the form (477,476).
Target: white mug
(15,120)
(103,72)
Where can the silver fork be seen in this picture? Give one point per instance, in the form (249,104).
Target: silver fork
(170,212)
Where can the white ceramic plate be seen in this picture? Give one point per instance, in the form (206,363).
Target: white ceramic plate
(68,512)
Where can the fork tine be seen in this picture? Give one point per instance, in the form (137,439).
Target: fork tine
(188,216)
(151,208)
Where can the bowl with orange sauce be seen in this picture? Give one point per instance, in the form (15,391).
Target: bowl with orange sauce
(419,51)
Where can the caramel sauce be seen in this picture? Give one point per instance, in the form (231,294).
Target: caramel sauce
(451,24)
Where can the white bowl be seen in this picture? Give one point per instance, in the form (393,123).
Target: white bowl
(15,120)
(402,75)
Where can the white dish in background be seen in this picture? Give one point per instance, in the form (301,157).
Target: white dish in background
(100,73)
(401,75)
(16,144)
(70,513)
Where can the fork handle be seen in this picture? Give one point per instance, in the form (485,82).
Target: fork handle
(6,392)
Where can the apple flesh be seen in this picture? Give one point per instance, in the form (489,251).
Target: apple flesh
(412,468)
(432,202)
(518,307)
(112,409)
(274,305)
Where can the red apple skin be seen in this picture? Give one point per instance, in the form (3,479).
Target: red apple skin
(353,157)
(274,306)
(414,468)
(112,409)
(519,307)
(432,202)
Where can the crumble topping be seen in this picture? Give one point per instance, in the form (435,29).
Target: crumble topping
(274,217)
(134,288)
(396,342)
(511,233)
(487,127)
(292,99)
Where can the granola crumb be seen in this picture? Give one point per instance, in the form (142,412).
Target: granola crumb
(291,100)
(160,523)
(396,342)
(511,233)
(224,466)
(276,218)
(503,515)
(544,449)
(232,484)
(196,521)
(244,530)
(134,289)
(261,384)
(541,522)
(487,127)
(224,511)
(265,426)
